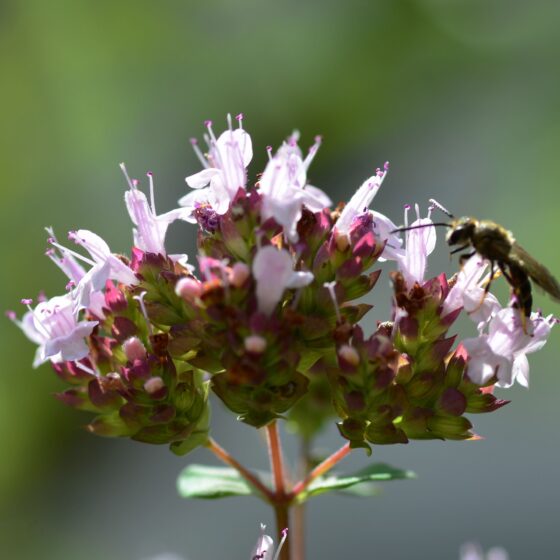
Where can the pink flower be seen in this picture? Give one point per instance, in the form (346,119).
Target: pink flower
(357,209)
(359,203)
(104,266)
(273,271)
(224,170)
(54,327)
(264,549)
(503,351)
(468,292)
(472,551)
(150,230)
(284,187)
(419,243)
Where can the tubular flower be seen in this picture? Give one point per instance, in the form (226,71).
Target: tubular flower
(270,320)
(224,169)
(468,292)
(419,243)
(273,272)
(150,230)
(502,353)
(54,327)
(264,549)
(356,214)
(284,188)
(473,551)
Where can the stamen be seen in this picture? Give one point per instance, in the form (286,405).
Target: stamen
(239,119)
(312,151)
(406,209)
(127,177)
(198,153)
(83,367)
(140,300)
(386,166)
(73,253)
(269,152)
(152,198)
(229,121)
(12,316)
(27,302)
(70,286)
(331,288)
(281,544)
(208,125)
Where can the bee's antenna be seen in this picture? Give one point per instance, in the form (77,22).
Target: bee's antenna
(442,208)
(407,228)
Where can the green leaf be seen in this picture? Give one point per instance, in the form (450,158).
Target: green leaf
(378,472)
(209,483)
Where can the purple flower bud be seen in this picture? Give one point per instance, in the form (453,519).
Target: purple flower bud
(188,288)
(134,349)
(255,344)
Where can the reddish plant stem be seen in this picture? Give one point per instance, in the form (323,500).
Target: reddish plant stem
(298,529)
(320,469)
(276,460)
(224,456)
(280,499)
(282,521)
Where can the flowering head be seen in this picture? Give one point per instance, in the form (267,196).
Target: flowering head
(269,321)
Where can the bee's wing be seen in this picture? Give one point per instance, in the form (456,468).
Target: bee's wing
(538,273)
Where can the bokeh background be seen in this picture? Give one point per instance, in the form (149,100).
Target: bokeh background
(462,96)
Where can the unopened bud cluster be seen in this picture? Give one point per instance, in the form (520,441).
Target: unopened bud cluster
(269,321)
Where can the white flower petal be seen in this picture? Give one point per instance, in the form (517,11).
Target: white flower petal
(201,179)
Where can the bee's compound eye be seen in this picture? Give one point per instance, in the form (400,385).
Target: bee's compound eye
(455,236)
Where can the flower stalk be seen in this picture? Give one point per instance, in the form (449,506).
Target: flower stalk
(321,469)
(224,456)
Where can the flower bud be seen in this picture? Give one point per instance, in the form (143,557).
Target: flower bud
(255,344)
(154,385)
(134,349)
(341,241)
(349,355)
(239,274)
(188,288)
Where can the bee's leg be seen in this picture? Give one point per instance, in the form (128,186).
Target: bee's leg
(523,301)
(487,286)
(505,273)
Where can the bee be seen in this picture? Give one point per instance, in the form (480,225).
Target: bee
(498,246)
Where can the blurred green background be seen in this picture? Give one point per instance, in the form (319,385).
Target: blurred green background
(462,96)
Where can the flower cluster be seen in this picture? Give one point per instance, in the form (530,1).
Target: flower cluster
(269,321)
